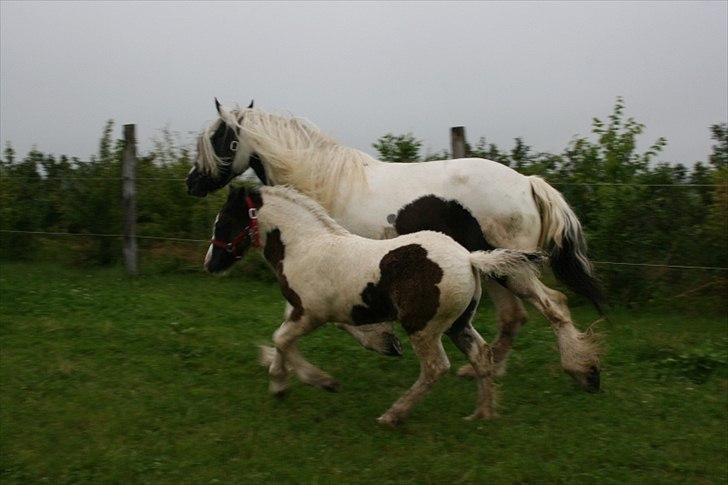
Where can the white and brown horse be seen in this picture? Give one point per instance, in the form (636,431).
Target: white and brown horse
(425,280)
(479,203)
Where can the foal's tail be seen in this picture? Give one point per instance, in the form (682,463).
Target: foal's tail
(562,235)
(501,263)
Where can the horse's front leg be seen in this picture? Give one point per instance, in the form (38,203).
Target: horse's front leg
(378,337)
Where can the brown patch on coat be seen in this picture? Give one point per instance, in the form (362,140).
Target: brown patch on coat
(275,252)
(407,290)
(431,213)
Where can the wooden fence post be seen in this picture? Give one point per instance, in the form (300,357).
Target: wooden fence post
(457,141)
(128,174)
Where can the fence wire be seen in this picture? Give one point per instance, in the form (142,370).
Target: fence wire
(577,184)
(189,240)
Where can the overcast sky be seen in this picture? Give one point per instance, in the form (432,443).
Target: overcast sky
(359,70)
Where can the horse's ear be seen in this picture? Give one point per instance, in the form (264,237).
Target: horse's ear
(251,103)
(218,107)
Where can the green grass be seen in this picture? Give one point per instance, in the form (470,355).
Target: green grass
(155,379)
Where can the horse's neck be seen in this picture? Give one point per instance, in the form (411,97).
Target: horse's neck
(296,223)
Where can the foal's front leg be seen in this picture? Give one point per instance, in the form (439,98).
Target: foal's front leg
(433,364)
(286,356)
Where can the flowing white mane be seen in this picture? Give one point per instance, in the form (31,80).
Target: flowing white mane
(295,152)
(293,196)
(207,156)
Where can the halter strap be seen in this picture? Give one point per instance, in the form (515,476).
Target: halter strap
(251,230)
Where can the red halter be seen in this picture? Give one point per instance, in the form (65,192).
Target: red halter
(251,231)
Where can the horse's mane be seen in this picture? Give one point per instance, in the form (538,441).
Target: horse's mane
(299,154)
(208,158)
(295,197)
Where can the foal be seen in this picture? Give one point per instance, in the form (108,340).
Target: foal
(425,280)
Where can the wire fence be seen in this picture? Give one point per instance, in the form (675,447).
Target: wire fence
(198,241)
(565,184)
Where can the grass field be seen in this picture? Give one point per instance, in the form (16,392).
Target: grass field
(155,379)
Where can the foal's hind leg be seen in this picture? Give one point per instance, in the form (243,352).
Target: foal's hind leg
(511,317)
(579,351)
(378,337)
(427,344)
(479,353)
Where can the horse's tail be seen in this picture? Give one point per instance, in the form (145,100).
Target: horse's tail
(502,263)
(562,235)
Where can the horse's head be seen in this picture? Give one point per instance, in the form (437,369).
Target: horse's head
(222,153)
(235,230)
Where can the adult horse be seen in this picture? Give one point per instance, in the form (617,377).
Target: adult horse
(480,203)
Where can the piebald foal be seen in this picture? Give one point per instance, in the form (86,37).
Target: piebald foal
(425,280)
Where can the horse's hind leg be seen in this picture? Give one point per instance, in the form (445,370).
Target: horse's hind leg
(511,316)
(427,344)
(579,351)
(479,353)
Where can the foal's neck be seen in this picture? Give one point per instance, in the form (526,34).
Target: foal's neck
(296,216)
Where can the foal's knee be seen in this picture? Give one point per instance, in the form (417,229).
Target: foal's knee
(281,339)
(440,369)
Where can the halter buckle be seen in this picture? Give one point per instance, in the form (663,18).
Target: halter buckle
(234,145)
(253,213)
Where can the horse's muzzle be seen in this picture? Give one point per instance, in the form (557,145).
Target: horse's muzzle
(198,184)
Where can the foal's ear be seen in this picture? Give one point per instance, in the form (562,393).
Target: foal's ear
(252,101)
(218,107)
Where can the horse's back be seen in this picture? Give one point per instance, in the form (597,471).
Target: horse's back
(495,197)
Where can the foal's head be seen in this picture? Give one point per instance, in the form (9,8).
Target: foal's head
(235,230)
(222,153)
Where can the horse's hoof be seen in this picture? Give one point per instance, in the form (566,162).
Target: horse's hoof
(466,372)
(589,380)
(593,380)
(331,385)
(393,347)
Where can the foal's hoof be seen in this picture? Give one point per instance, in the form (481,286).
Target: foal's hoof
(481,415)
(467,372)
(331,385)
(278,391)
(389,420)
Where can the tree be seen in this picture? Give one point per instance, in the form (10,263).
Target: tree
(401,148)
(719,157)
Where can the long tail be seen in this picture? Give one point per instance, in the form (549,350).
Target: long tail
(500,263)
(562,235)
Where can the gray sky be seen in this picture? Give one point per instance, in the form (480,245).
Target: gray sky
(359,70)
